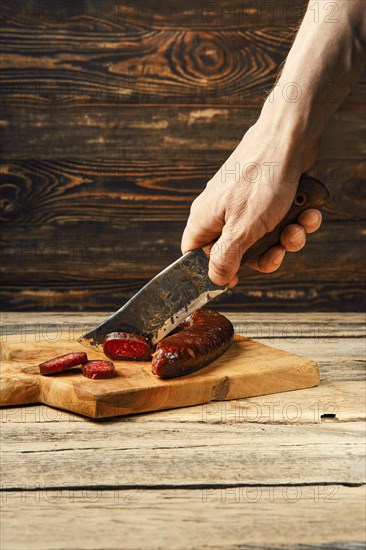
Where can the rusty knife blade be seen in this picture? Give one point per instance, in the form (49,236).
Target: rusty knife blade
(162,303)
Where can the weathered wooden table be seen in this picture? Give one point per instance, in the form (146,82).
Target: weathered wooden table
(285,470)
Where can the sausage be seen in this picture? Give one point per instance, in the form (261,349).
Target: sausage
(123,345)
(63,362)
(98,369)
(202,337)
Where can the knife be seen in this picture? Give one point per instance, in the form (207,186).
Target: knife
(184,286)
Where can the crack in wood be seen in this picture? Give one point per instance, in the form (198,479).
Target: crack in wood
(188,486)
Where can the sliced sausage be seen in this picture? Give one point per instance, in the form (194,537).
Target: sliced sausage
(63,362)
(122,345)
(98,369)
(202,337)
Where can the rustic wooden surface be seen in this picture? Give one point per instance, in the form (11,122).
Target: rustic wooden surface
(248,368)
(280,471)
(113,116)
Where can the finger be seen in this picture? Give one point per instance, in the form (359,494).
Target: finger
(225,258)
(194,237)
(293,237)
(234,281)
(270,260)
(310,219)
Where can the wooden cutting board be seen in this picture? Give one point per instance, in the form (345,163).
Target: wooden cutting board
(247,369)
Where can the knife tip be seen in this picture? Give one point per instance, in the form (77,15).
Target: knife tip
(87,344)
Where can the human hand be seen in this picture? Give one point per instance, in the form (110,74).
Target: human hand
(248,197)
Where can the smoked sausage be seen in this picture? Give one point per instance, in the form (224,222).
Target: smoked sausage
(202,337)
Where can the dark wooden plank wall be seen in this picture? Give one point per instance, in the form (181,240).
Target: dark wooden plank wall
(113,116)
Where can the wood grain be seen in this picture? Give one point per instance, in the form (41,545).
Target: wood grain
(225,53)
(142,65)
(179,454)
(339,401)
(201,477)
(133,106)
(137,64)
(111,15)
(148,132)
(266,296)
(246,369)
(109,249)
(244,517)
(319,327)
(75,134)
(87,269)
(320,336)
(142,191)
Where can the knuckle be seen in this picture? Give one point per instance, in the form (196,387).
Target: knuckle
(220,270)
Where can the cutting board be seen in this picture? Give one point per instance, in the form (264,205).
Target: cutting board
(247,369)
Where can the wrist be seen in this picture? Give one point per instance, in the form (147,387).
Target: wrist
(292,111)
(292,128)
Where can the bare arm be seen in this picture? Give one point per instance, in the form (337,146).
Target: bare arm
(326,60)
(254,189)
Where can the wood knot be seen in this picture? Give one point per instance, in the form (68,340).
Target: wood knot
(10,191)
(198,57)
(7,208)
(220,391)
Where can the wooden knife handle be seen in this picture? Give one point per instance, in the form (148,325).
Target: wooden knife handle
(311,193)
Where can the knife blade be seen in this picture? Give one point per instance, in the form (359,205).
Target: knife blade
(163,302)
(184,286)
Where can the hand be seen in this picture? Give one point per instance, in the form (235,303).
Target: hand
(248,197)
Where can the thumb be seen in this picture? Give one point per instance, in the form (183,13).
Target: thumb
(225,258)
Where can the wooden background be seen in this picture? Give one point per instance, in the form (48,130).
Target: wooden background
(113,116)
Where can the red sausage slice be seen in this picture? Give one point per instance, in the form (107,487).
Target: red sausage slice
(122,345)
(98,369)
(63,362)
(202,337)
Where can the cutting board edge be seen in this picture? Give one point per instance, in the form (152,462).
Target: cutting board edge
(310,381)
(210,389)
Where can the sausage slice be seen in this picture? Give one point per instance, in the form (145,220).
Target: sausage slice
(98,369)
(63,362)
(123,345)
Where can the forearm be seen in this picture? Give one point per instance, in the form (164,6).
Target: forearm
(255,188)
(325,61)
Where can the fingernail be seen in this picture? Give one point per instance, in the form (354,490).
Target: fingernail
(278,257)
(314,220)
